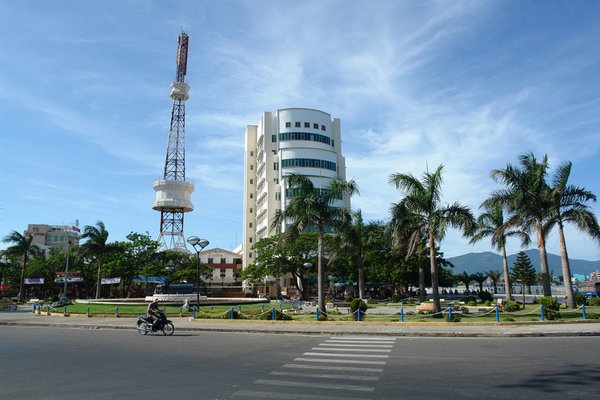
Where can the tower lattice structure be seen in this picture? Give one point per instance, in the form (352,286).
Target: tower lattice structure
(173,193)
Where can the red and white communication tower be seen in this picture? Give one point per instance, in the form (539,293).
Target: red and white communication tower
(173,193)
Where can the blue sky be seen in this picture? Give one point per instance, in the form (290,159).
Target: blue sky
(85,107)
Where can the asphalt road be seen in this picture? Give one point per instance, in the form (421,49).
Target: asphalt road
(55,363)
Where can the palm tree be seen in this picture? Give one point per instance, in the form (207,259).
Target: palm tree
(491,223)
(494,276)
(479,277)
(22,247)
(314,207)
(353,241)
(96,247)
(409,236)
(568,206)
(422,202)
(528,201)
(465,278)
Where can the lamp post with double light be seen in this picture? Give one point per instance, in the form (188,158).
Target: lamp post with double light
(196,242)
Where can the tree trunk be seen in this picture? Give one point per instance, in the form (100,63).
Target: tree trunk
(544,262)
(507,284)
(361,278)
(320,273)
(566,268)
(99,279)
(22,283)
(422,292)
(434,275)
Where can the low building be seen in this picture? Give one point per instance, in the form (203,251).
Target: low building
(226,267)
(49,236)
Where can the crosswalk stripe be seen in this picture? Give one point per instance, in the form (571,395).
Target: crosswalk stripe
(365,339)
(333,368)
(352,349)
(353,344)
(326,376)
(346,355)
(338,361)
(288,396)
(315,385)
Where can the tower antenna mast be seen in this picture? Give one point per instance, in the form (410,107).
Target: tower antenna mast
(173,192)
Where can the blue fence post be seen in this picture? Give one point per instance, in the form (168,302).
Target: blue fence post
(263,307)
(194,312)
(117,312)
(542,313)
(281,306)
(231,312)
(181,311)
(401,314)
(497,314)
(65,311)
(450,314)
(583,311)
(273,313)
(88,311)
(317,313)
(358,314)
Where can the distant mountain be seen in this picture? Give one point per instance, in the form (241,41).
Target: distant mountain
(481,262)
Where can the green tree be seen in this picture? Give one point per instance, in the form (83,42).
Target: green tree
(423,208)
(568,206)
(528,200)
(314,207)
(491,223)
(480,278)
(22,247)
(96,247)
(494,276)
(464,278)
(523,272)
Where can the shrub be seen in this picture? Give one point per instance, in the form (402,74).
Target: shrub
(511,306)
(594,301)
(279,316)
(551,307)
(579,298)
(455,318)
(464,310)
(488,303)
(472,303)
(358,304)
(486,296)
(470,299)
(395,298)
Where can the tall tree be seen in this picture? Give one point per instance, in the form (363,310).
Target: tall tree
(480,278)
(409,237)
(494,276)
(491,223)
(423,205)
(568,206)
(528,201)
(96,246)
(22,247)
(523,272)
(464,278)
(314,207)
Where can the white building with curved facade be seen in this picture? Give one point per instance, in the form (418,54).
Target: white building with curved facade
(291,140)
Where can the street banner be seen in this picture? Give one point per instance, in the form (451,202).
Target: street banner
(34,281)
(110,281)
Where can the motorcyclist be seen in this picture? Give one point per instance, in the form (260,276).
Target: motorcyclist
(153,313)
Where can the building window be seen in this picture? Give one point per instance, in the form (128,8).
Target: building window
(210,260)
(273,138)
(307,124)
(288,124)
(250,240)
(275,166)
(308,162)
(251,181)
(251,167)
(315,126)
(223,261)
(250,210)
(250,255)
(277,195)
(250,225)
(297,124)
(332,143)
(251,195)
(322,127)
(251,153)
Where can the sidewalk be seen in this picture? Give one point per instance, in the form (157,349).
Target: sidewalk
(24,317)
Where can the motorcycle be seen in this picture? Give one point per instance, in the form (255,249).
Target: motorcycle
(146,325)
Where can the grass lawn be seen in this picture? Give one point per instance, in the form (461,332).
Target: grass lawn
(263,311)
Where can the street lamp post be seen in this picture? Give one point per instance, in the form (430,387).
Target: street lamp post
(307,265)
(66,275)
(202,243)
